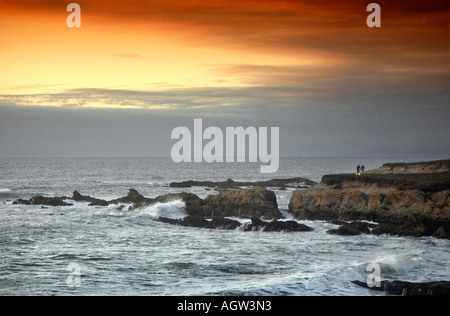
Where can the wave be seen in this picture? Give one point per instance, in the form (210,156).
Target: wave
(5,191)
(393,265)
(396,267)
(173,210)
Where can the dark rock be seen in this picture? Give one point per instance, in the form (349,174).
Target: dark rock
(352,229)
(436,288)
(170,220)
(375,288)
(275,226)
(199,221)
(133,197)
(22,202)
(194,204)
(256,225)
(194,221)
(189,221)
(223,224)
(77,197)
(286,226)
(442,232)
(283,183)
(385,228)
(243,203)
(98,202)
(40,200)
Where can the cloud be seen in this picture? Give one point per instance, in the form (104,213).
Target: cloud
(331,83)
(336,26)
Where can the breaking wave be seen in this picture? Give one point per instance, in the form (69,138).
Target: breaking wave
(174,210)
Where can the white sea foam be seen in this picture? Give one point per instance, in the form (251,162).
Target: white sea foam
(400,266)
(4,190)
(174,210)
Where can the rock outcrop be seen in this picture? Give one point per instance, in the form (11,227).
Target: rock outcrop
(48,201)
(275,226)
(133,197)
(77,197)
(230,184)
(436,288)
(353,229)
(243,203)
(436,166)
(403,204)
(199,221)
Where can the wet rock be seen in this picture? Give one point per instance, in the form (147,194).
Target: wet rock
(40,200)
(275,226)
(201,222)
(223,224)
(133,197)
(189,221)
(229,183)
(53,201)
(352,229)
(435,288)
(98,202)
(194,204)
(243,203)
(77,197)
(22,202)
(194,221)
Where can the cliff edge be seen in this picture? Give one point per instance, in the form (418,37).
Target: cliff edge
(406,204)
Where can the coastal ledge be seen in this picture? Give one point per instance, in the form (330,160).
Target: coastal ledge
(437,288)
(230,184)
(404,204)
(436,166)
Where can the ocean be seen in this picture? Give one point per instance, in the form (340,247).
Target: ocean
(82,250)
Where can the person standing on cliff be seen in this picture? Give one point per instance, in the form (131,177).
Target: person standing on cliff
(358,170)
(363,169)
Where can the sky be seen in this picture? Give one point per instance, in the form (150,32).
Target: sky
(135,70)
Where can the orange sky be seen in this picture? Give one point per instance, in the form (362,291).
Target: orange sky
(148,45)
(313,68)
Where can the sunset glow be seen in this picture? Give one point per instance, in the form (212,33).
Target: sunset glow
(281,61)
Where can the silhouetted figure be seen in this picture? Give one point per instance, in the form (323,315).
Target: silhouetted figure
(358,170)
(363,168)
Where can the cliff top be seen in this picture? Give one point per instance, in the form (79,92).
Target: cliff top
(427,182)
(413,167)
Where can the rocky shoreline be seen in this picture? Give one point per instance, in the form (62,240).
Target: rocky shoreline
(211,213)
(409,204)
(412,203)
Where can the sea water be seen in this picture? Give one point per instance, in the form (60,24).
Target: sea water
(82,250)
